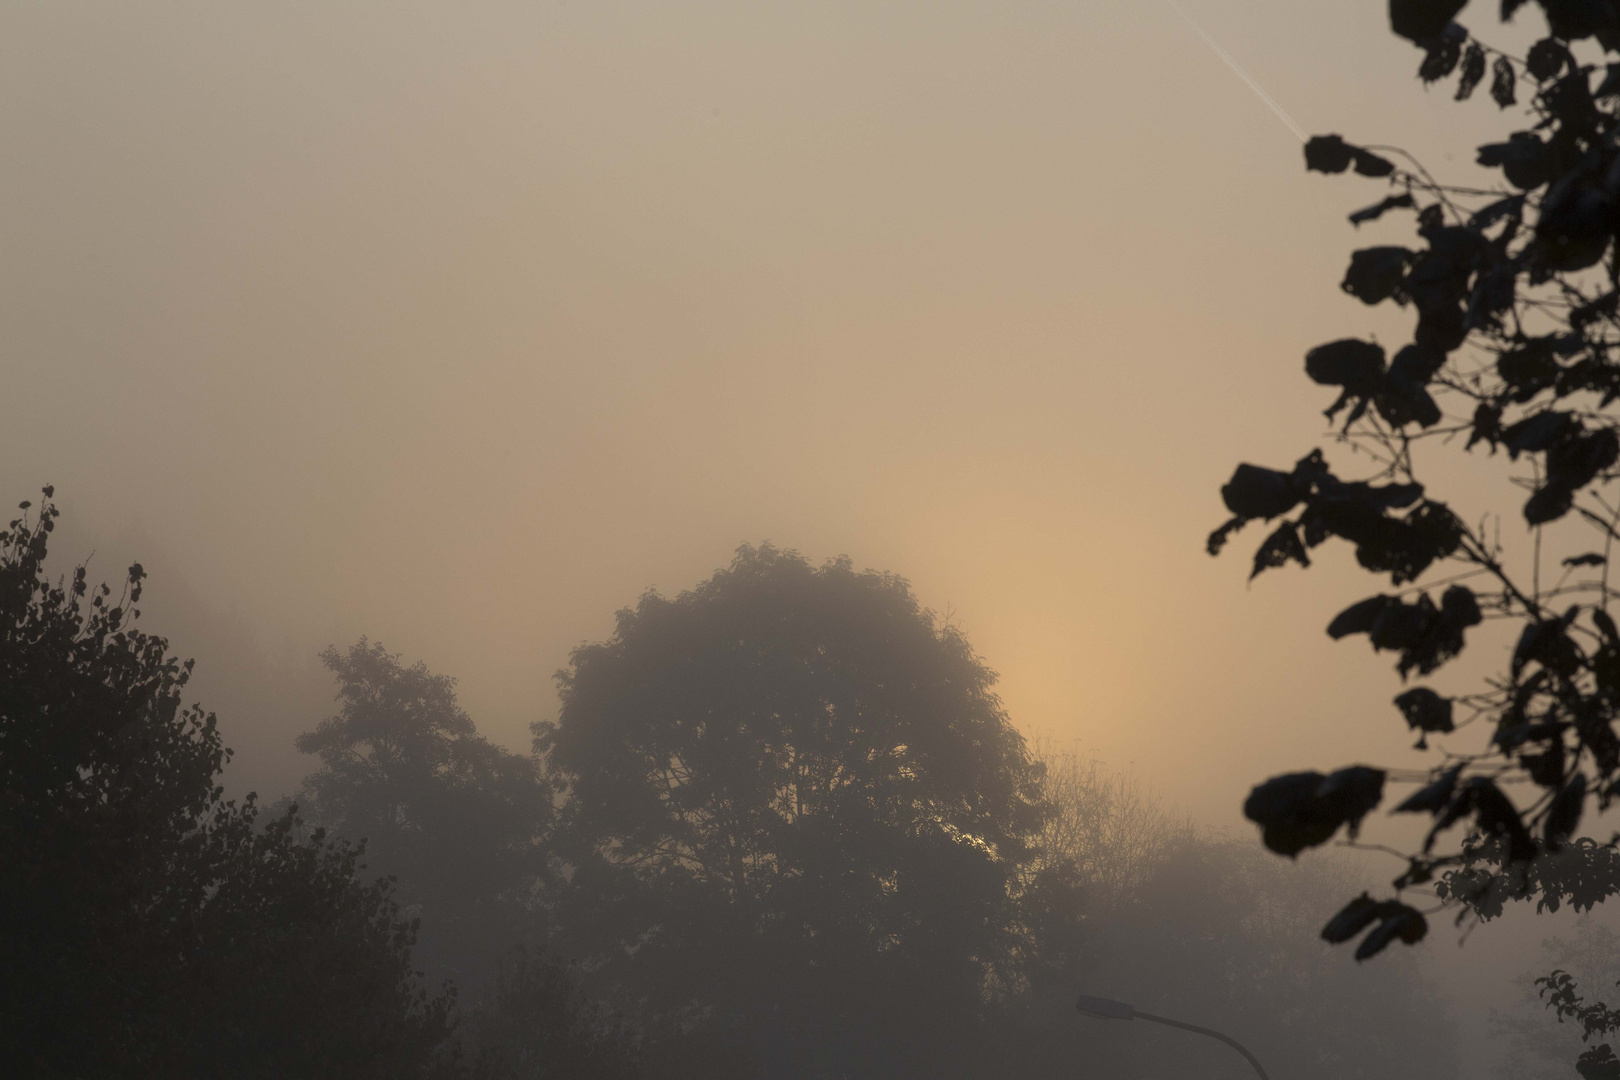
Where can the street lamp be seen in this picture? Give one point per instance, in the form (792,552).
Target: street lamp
(1104,1009)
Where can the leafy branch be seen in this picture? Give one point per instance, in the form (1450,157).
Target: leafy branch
(1515,351)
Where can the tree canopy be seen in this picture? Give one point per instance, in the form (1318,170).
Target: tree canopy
(152,927)
(793,799)
(458,822)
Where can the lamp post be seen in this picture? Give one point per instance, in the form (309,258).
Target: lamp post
(1104,1009)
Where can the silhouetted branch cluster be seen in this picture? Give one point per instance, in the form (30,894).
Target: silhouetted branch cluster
(1515,351)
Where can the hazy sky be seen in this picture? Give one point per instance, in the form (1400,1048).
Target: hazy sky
(459,325)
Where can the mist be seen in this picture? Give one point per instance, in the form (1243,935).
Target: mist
(456,332)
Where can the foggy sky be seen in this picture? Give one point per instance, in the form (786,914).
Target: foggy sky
(461,325)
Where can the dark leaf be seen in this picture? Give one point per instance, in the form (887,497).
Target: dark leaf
(1546,643)
(1407,547)
(1359,617)
(1358,366)
(1459,606)
(1375,274)
(1414,927)
(1349,511)
(1547,58)
(1425,710)
(1538,432)
(1404,923)
(1433,798)
(1402,626)
(1254,492)
(1572,463)
(1576,462)
(1311,468)
(1473,71)
(1421,20)
(1404,403)
(1217,539)
(1351,793)
(1281,547)
(1355,917)
(1425,635)
(1528,369)
(1558,253)
(1573,20)
(1523,159)
(1442,54)
(1288,814)
(1370,164)
(1591,558)
(1328,154)
(1438,283)
(1376,211)
(1548,504)
(1415,365)
(1300,810)
(1574,222)
(1570,100)
(1503,82)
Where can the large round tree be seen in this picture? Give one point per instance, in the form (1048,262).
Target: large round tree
(794,810)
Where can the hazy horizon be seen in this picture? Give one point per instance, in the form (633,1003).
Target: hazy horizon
(459,327)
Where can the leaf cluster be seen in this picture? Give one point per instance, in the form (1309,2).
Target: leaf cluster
(1514,352)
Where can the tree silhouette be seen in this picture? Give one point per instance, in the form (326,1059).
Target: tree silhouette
(1514,354)
(299,964)
(152,928)
(457,821)
(799,838)
(795,809)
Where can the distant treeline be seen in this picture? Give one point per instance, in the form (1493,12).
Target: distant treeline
(782,827)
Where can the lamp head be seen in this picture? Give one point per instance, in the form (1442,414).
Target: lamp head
(1104,1009)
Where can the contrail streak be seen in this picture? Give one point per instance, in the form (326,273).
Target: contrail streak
(1298,131)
